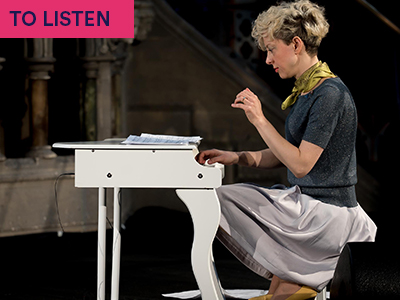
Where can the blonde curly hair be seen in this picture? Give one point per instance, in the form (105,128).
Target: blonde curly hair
(287,20)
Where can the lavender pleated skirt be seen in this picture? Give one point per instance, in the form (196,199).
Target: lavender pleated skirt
(286,233)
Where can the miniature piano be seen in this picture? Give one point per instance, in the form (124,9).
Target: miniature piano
(110,164)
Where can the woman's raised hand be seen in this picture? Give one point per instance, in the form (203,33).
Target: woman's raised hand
(251,105)
(217,156)
(249,102)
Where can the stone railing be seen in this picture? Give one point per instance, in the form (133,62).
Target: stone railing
(27,178)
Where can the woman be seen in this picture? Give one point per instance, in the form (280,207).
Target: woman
(294,235)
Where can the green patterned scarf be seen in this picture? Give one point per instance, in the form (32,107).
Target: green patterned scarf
(307,81)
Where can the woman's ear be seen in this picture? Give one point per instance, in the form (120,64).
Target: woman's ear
(298,44)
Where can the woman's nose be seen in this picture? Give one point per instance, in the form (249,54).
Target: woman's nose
(268,61)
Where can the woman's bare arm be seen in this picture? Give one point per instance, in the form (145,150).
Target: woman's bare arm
(263,159)
(299,160)
(259,159)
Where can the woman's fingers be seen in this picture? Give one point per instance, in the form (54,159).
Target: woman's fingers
(245,95)
(238,104)
(217,156)
(203,156)
(250,104)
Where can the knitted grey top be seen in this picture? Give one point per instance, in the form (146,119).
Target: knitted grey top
(327,117)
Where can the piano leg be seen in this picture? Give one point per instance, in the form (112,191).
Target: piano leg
(101,247)
(205,211)
(116,258)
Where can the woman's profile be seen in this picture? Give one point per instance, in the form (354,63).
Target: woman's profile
(294,235)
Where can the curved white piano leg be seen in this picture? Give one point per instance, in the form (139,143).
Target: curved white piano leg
(205,211)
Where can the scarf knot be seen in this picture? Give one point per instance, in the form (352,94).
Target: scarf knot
(307,81)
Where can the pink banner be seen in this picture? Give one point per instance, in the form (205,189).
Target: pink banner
(67,19)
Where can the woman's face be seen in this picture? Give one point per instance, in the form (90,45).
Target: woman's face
(282,57)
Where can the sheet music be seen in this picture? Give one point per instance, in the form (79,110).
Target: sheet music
(151,139)
(233,294)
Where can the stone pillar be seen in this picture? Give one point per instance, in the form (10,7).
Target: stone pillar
(102,64)
(88,101)
(96,99)
(40,60)
(2,157)
(104,98)
(117,129)
(102,61)
(119,48)
(144,18)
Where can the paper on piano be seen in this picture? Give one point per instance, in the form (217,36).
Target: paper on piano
(229,294)
(233,294)
(151,139)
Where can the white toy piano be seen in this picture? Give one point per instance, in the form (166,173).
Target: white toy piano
(110,164)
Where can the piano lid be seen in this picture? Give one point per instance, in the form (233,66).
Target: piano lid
(116,144)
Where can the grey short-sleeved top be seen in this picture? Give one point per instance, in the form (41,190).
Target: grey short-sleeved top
(327,117)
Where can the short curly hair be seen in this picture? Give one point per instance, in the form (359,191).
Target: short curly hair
(287,20)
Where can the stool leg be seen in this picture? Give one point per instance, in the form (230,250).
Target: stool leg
(321,295)
(205,211)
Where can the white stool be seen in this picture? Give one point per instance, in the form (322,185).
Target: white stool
(321,295)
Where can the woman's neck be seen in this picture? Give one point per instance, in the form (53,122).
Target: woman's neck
(306,63)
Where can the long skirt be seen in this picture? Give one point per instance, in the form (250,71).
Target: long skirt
(286,233)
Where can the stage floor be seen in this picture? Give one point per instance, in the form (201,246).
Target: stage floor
(155,260)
